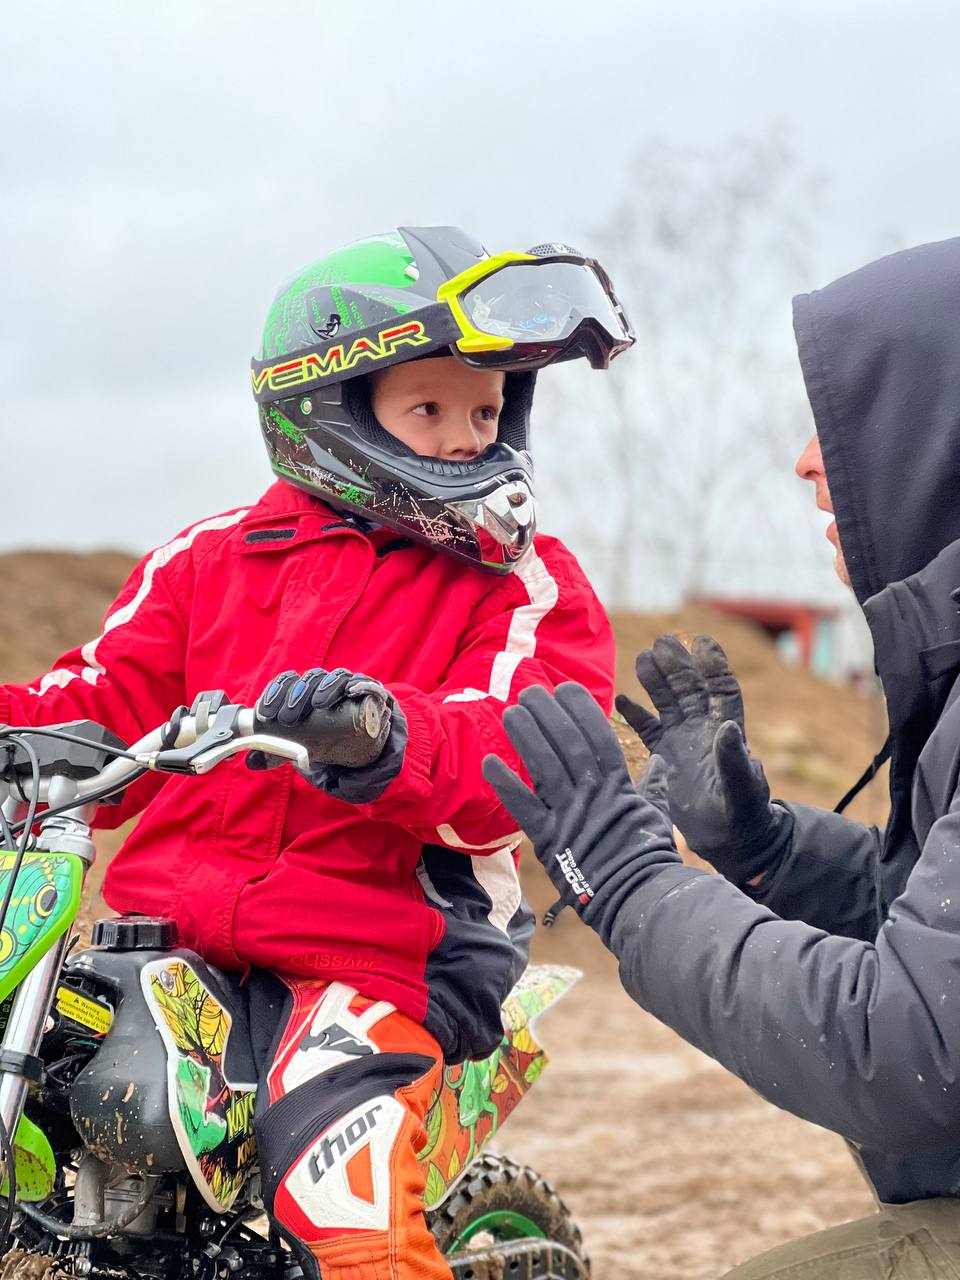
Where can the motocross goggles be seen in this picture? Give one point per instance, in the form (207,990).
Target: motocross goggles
(509,311)
(524,310)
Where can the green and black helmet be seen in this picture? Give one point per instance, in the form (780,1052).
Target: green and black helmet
(414,292)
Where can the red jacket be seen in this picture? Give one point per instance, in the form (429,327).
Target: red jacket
(261,868)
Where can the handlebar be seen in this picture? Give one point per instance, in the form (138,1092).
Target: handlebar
(200,742)
(213,730)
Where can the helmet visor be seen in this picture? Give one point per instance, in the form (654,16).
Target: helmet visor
(545,303)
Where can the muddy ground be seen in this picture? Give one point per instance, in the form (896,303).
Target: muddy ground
(673,1168)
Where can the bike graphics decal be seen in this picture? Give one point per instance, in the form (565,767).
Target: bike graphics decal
(212,1116)
(44,903)
(477,1097)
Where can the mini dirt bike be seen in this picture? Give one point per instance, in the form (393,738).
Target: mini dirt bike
(127,1079)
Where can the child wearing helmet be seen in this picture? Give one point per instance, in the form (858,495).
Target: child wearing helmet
(394,559)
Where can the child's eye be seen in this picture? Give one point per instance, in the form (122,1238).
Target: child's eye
(488,413)
(429,409)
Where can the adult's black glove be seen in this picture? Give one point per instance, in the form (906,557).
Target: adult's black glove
(350,724)
(719,796)
(598,836)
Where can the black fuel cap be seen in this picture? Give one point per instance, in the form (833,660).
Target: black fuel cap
(136,933)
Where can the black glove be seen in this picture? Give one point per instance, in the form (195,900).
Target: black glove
(719,797)
(597,835)
(323,710)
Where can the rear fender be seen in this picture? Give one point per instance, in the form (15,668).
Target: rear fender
(476,1097)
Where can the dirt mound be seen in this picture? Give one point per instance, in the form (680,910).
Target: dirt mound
(675,1170)
(52,601)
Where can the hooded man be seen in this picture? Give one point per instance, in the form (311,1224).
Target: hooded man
(823,965)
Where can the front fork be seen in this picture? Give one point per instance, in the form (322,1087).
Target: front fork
(24,1030)
(67,833)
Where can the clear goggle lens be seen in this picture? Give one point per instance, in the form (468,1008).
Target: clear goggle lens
(541,302)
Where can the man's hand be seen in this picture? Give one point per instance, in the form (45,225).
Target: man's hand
(596,834)
(719,797)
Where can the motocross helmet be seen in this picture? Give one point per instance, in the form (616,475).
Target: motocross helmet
(404,295)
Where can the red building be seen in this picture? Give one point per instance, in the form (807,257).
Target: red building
(805,627)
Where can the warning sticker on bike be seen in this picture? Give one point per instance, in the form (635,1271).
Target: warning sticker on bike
(88,1013)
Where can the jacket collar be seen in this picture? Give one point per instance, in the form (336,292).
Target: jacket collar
(284,500)
(287,516)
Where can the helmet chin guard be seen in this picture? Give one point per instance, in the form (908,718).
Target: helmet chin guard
(503,522)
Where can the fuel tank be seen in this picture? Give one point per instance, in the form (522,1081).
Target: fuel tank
(173,1083)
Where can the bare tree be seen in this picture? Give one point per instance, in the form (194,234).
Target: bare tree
(650,466)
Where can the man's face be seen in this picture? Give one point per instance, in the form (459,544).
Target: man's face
(810,467)
(440,408)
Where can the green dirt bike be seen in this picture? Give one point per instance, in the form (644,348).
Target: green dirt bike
(127,1079)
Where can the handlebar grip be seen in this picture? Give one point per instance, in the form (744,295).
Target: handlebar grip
(352,733)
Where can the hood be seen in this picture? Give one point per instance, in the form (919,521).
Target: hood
(880,353)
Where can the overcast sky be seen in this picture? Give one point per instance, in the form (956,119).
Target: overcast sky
(165,167)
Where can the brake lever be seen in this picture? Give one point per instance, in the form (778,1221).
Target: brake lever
(298,756)
(220,741)
(181,759)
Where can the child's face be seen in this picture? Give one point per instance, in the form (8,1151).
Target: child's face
(439,408)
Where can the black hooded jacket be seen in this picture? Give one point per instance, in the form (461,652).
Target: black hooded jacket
(834,988)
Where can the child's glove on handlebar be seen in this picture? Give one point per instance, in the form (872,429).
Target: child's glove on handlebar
(351,725)
(291,699)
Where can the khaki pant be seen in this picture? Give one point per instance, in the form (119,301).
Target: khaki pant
(918,1241)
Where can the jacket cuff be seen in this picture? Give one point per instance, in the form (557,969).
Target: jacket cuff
(367,783)
(761,856)
(413,778)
